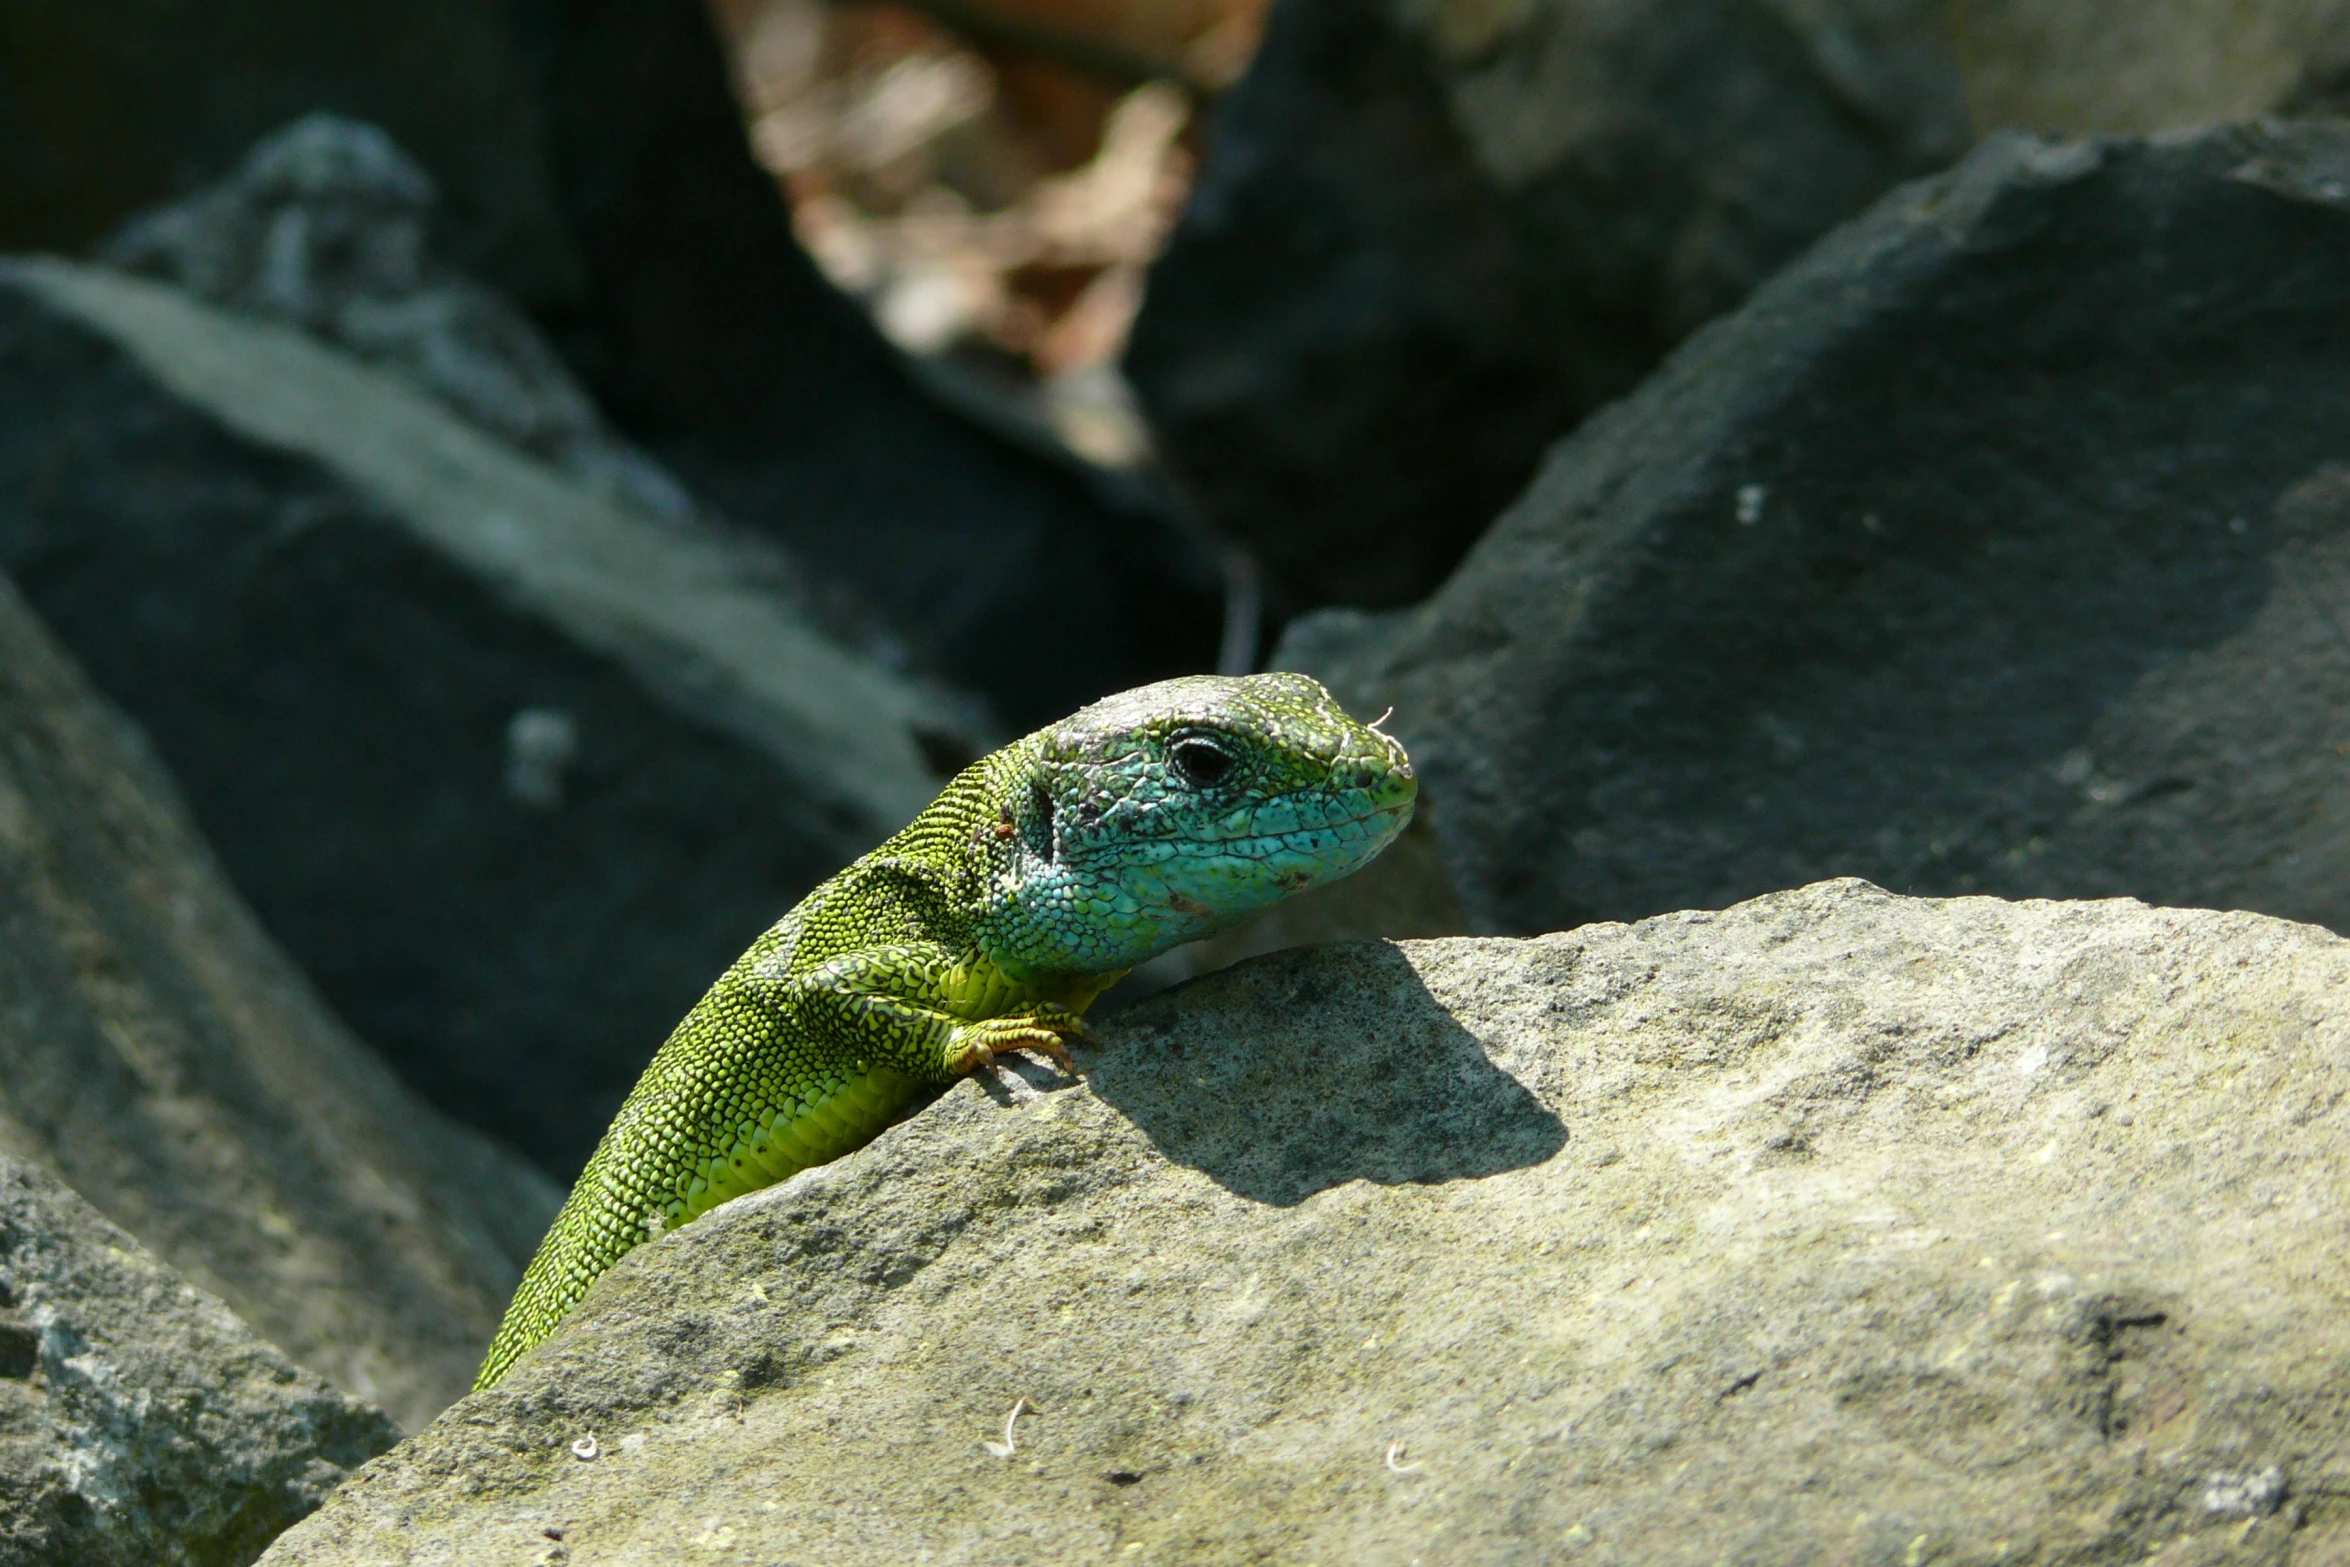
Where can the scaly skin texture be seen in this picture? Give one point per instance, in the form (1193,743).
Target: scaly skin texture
(1040,876)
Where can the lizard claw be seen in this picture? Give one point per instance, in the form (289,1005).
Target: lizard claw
(1065,1023)
(979,1044)
(1050,1045)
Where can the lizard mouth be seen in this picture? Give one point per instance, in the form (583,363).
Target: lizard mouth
(1300,836)
(1307,822)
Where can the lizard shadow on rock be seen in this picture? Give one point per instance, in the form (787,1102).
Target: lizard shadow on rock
(1303,1070)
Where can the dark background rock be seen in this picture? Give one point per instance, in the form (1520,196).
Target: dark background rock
(326,225)
(1996,545)
(2083,67)
(115,105)
(710,336)
(1832,1226)
(1342,352)
(140,1421)
(1426,240)
(339,701)
(160,1052)
(594,167)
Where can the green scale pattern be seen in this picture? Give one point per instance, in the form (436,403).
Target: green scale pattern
(990,923)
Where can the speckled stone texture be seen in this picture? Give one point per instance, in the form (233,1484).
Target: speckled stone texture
(1834,1226)
(141,1423)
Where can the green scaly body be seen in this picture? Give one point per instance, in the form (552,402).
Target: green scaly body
(990,923)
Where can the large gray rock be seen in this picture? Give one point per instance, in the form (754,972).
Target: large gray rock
(511,769)
(1835,1226)
(1991,547)
(140,1422)
(161,1054)
(1431,234)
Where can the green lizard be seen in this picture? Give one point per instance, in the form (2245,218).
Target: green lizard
(1039,877)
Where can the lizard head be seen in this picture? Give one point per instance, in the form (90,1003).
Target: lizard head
(1166,813)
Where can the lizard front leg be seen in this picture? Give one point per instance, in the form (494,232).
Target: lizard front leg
(900,1005)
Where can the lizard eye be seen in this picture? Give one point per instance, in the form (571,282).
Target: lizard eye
(1199,763)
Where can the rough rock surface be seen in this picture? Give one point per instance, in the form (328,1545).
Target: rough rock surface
(162,1055)
(1429,236)
(1834,1226)
(510,770)
(140,1422)
(1994,546)
(2085,67)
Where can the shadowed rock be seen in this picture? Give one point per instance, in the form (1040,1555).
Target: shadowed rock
(159,1052)
(512,769)
(1431,236)
(1996,545)
(1377,1083)
(140,1421)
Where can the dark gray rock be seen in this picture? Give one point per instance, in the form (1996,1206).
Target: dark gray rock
(157,1050)
(594,171)
(1996,545)
(2085,67)
(513,772)
(110,106)
(140,1422)
(326,225)
(708,336)
(1836,1226)
(1341,353)
(1429,237)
